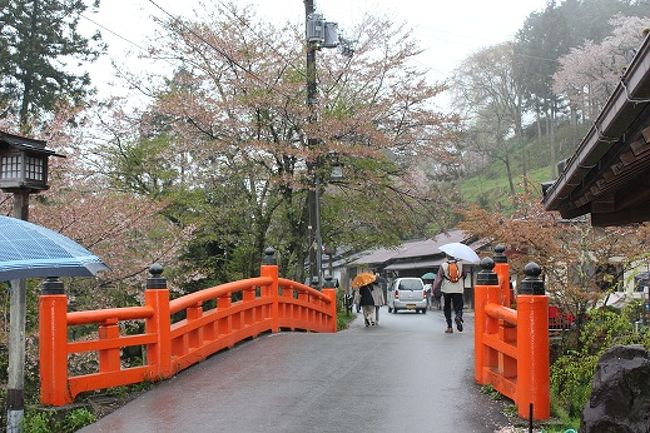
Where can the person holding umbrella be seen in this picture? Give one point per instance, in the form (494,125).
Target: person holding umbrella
(449,280)
(428,280)
(368,296)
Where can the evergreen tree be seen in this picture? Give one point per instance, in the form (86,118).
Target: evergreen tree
(41,52)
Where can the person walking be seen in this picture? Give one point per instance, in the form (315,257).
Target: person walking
(449,280)
(367,302)
(378,299)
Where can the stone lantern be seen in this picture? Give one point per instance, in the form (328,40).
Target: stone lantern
(23,164)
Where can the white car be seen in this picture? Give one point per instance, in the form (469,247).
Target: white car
(407,294)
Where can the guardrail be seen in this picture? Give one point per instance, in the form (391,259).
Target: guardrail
(512,345)
(211,322)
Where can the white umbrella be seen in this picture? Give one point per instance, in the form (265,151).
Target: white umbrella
(460,252)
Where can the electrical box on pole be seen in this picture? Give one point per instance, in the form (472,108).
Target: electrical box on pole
(315,29)
(331,35)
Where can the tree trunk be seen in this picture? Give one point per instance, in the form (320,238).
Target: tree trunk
(551,135)
(506,161)
(538,118)
(28,75)
(524,156)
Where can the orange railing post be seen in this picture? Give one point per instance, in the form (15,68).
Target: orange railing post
(502,269)
(269,268)
(109,359)
(53,342)
(329,290)
(156,295)
(533,363)
(484,292)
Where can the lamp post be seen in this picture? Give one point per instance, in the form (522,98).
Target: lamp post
(23,171)
(319,34)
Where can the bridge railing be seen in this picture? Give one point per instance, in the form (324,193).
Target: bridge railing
(209,322)
(512,345)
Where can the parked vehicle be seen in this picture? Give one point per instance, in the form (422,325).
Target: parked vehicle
(407,294)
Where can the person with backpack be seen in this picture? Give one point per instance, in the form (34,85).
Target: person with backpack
(449,280)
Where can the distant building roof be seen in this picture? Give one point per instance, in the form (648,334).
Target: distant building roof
(375,256)
(424,248)
(417,264)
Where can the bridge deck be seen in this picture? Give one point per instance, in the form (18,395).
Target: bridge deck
(404,375)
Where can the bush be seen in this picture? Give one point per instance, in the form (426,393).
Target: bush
(47,422)
(571,377)
(573,371)
(77,419)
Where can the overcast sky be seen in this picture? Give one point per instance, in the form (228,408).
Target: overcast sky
(449,30)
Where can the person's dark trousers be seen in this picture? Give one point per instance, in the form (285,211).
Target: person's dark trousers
(457,300)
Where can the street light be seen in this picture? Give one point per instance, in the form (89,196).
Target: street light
(23,171)
(319,33)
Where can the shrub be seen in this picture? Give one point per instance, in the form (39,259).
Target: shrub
(38,422)
(47,422)
(573,371)
(77,419)
(571,377)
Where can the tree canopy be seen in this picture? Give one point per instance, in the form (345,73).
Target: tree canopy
(40,55)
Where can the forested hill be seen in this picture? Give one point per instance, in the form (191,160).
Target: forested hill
(527,103)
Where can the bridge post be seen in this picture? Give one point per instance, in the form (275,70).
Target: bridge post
(156,296)
(502,269)
(53,342)
(533,363)
(329,290)
(269,268)
(487,284)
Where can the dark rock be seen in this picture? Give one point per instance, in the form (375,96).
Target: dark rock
(620,396)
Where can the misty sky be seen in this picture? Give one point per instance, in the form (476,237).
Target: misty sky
(449,30)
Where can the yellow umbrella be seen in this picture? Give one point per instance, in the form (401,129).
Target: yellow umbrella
(363,279)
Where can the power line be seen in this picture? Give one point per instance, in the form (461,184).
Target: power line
(113,33)
(202,39)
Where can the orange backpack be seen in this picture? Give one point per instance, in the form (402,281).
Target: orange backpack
(452,272)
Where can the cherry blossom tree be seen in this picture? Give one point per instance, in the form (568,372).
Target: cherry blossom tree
(588,74)
(235,107)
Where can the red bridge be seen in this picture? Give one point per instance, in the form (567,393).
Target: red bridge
(509,350)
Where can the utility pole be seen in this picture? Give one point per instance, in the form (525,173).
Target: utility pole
(313,198)
(319,34)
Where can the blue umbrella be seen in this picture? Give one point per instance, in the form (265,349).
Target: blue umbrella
(29,250)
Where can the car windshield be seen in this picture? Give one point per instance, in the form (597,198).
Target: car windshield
(410,285)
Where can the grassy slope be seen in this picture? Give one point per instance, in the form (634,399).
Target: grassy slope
(492,183)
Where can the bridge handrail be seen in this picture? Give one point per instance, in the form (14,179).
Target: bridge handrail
(114,314)
(180,304)
(302,288)
(502,312)
(172,346)
(511,346)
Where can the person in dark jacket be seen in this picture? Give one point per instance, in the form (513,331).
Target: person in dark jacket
(367,302)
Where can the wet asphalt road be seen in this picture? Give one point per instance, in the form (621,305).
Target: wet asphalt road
(405,375)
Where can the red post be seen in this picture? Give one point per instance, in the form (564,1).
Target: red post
(109,359)
(533,363)
(331,294)
(192,314)
(53,342)
(484,293)
(502,269)
(156,296)
(269,268)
